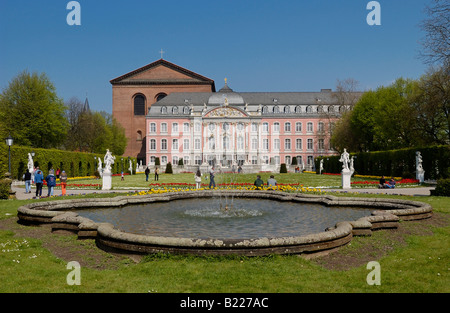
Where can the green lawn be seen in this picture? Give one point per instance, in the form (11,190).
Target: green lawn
(419,266)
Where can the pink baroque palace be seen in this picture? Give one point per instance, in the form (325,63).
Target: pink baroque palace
(248,131)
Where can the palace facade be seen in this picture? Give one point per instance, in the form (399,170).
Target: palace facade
(255,130)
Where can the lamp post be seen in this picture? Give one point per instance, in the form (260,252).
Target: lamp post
(9,143)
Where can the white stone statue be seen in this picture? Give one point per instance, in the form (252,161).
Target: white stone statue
(321,166)
(131,167)
(30,164)
(109,160)
(420,173)
(345,159)
(352,169)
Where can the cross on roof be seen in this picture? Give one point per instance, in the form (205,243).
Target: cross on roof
(162,52)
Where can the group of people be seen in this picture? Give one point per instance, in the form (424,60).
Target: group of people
(147,172)
(259,183)
(384,184)
(37,177)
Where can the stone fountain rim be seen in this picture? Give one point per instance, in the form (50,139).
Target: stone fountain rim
(59,212)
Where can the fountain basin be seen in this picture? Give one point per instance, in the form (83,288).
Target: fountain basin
(386,214)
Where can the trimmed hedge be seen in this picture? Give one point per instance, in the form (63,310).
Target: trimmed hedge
(395,163)
(442,188)
(74,163)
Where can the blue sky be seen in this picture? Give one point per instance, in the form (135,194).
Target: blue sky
(263,45)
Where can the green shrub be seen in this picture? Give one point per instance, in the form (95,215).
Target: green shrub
(5,185)
(169,168)
(442,188)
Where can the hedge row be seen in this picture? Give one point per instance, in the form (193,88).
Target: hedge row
(75,164)
(395,163)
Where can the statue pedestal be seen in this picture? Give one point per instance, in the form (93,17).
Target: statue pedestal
(106,180)
(346,175)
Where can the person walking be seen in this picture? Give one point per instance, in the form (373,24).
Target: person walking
(63,180)
(198,179)
(147,172)
(156,173)
(211,178)
(39,180)
(51,182)
(27,178)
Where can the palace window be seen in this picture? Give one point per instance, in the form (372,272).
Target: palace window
(240,142)
(287,109)
(197,144)
(265,110)
(276,109)
(309,127)
(298,127)
(163,144)
(175,144)
(276,144)
(276,127)
(287,144)
(175,110)
(298,144)
(186,127)
(139,105)
(174,127)
(152,127)
(163,110)
(298,109)
(265,127)
(186,144)
(163,127)
(152,144)
(310,144)
(186,110)
(287,127)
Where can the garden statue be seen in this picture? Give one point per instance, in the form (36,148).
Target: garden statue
(109,160)
(30,164)
(347,169)
(420,173)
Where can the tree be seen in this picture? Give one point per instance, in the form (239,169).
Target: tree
(93,131)
(32,113)
(436,43)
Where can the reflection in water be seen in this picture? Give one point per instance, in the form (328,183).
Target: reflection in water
(210,218)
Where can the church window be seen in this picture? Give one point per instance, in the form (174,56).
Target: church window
(139,105)
(160,96)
